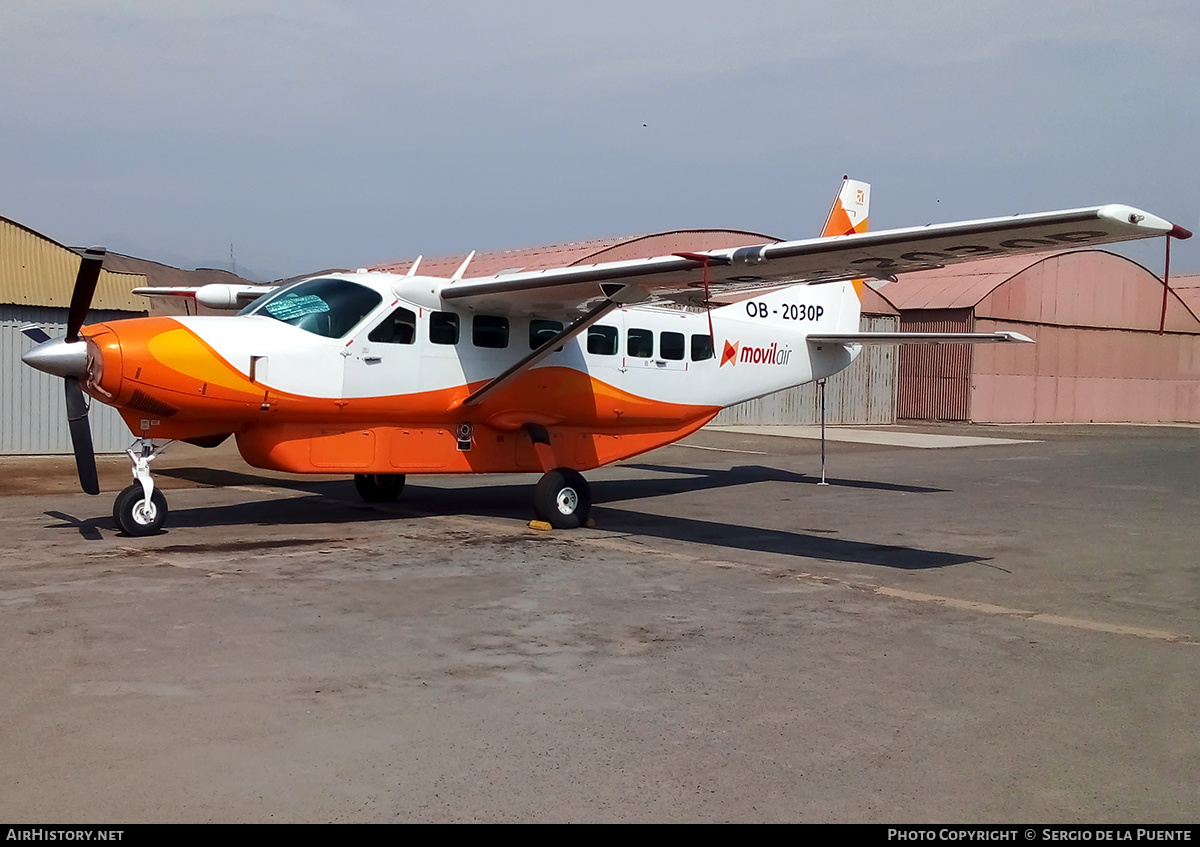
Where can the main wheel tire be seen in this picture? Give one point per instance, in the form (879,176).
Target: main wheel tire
(133,517)
(379,487)
(562,498)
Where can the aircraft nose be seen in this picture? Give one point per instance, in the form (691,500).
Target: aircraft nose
(59,357)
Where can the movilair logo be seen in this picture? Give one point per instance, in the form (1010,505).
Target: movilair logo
(773,355)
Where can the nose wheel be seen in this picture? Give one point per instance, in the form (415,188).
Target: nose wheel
(562,498)
(135,515)
(141,509)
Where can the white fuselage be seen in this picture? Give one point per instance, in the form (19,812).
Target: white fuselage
(759,347)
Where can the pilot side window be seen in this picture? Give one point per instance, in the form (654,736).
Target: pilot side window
(671,345)
(400,327)
(541,331)
(702,347)
(443,327)
(639,343)
(489,331)
(602,340)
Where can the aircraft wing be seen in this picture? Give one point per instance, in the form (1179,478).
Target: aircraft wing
(679,278)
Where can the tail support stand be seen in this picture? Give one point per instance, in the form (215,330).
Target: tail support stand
(821,387)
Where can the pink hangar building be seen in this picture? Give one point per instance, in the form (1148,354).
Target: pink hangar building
(1099,355)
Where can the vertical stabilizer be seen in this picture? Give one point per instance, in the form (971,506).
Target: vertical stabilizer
(849,213)
(850,209)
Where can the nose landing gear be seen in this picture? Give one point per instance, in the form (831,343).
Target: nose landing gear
(141,509)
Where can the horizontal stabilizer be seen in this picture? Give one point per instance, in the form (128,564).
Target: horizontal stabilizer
(919,338)
(215,295)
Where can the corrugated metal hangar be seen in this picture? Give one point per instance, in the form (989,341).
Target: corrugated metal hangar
(36,278)
(37,275)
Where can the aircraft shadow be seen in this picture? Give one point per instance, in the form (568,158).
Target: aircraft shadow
(89,528)
(699,479)
(218,478)
(337,502)
(782,542)
(733,476)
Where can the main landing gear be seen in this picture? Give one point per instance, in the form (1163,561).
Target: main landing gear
(141,509)
(379,487)
(562,497)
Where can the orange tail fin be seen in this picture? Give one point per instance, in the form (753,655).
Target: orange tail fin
(850,209)
(849,213)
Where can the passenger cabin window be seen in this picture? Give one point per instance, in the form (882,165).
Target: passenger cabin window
(400,327)
(702,347)
(640,343)
(671,345)
(489,331)
(443,327)
(541,331)
(326,307)
(602,340)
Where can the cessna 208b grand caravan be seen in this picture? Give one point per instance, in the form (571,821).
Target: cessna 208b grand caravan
(556,371)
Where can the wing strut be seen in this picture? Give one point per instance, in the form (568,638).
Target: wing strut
(704,259)
(570,331)
(1180,233)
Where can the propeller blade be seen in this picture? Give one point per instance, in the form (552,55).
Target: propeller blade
(85,289)
(81,436)
(36,333)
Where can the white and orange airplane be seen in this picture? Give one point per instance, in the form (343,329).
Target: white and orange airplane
(555,371)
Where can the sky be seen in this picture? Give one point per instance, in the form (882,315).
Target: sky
(295,136)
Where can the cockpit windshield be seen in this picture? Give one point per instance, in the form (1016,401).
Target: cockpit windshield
(326,306)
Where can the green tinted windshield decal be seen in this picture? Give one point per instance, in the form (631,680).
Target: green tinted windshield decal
(290,308)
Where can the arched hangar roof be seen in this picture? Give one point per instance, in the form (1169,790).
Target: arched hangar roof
(1188,289)
(581,252)
(607,250)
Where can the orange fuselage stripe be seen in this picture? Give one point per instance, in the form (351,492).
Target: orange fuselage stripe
(168,383)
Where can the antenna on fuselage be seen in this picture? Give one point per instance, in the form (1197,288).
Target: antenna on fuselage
(462,269)
(413,270)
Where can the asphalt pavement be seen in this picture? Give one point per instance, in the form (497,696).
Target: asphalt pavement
(1002,632)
